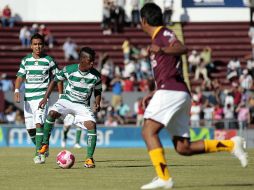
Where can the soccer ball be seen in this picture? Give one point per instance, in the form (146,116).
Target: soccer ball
(65,159)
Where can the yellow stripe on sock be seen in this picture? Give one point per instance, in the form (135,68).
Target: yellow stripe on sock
(159,162)
(218,145)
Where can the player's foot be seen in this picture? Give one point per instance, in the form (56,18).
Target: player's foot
(44,148)
(63,144)
(238,150)
(37,160)
(77,145)
(159,183)
(47,153)
(43,158)
(89,163)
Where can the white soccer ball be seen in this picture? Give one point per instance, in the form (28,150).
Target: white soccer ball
(65,159)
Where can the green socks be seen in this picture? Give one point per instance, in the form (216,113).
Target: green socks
(91,142)
(32,134)
(49,124)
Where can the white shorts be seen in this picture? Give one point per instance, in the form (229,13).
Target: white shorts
(80,112)
(172,109)
(34,115)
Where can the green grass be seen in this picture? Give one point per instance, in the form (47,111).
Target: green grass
(122,169)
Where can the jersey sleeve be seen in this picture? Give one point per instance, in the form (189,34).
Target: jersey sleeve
(53,67)
(169,37)
(98,85)
(21,72)
(61,75)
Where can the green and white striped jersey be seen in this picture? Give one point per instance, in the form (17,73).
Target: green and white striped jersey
(80,85)
(37,74)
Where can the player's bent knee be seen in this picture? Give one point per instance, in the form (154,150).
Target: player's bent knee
(54,114)
(90,125)
(184,151)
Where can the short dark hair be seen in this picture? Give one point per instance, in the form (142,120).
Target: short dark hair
(37,36)
(88,50)
(152,14)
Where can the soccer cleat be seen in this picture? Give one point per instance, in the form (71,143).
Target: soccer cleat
(37,160)
(89,163)
(63,144)
(77,146)
(238,150)
(44,149)
(43,158)
(159,183)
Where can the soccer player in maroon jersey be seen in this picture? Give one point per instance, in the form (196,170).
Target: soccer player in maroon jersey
(169,105)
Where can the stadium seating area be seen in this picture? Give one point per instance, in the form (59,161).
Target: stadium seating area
(226,40)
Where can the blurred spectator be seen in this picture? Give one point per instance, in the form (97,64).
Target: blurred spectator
(218,112)
(107,70)
(206,55)
(251,35)
(116,17)
(10,114)
(129,68)
(116,84)
(243,115)
(237,94)
(201,69)
(24,36)
(34,29)
(70,50)
(123,111)
(193,60)
(135,15)
(106,22)
(110,122)
(233,68)
(103,113)
(5,84)
(246,80)
(195,112)
(168,10)
(126,49)
(250,66)
(251,5)
(139,111)
(208,114)
(7,19)
(48,37)
(129,83)
(228,112)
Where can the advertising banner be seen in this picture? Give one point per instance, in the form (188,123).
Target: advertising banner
(106,137)
(213,3)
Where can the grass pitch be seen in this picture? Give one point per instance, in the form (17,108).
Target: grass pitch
(122,169)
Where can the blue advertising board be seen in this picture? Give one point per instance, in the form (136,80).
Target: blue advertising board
(14,136)
(212,3)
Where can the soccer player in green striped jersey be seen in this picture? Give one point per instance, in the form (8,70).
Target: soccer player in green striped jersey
(36,70)
(82,80)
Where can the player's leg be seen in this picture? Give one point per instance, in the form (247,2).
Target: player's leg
(66,129)
(28,115)
(235,146)
(91,143)
(78,135)
(150,133)
(48,126)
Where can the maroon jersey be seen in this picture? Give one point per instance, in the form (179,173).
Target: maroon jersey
(167,68)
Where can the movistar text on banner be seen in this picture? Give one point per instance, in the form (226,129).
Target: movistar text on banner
(213,3)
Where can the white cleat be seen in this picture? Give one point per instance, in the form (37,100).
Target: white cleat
(159,183)
(43,158)
(238,150)
(37,160)
(77,145)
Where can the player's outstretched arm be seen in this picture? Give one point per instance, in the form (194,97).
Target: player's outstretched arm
(43,102)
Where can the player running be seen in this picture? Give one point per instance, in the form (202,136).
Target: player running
(36,70)
(170,103)
(82,80)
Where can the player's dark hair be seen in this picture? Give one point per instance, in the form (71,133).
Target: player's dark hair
(152,14)
(88,50)
(37,36)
